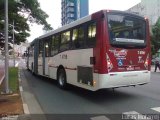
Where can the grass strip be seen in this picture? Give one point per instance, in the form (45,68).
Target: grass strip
(13,79)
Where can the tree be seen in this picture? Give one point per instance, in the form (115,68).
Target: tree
(22,12)
(156,37)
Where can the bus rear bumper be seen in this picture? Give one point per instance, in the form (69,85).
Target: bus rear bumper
(121,79)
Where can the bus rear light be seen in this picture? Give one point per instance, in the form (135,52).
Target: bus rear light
(94,82)
(146,62)
(109,63)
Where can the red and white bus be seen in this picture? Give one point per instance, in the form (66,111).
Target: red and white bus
(107,49)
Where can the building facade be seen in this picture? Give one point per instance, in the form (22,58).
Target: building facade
(21,49)
(148,8)
(73,10)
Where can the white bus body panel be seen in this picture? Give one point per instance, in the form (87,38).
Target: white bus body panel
(82,58)
(40,66)
(120,79)
(46,66)
(74,58)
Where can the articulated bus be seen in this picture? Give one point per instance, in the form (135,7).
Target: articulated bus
(108,49)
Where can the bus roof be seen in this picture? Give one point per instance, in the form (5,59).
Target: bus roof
(65,27)
(80,21)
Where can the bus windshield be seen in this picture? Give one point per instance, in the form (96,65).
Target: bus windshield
(126,30)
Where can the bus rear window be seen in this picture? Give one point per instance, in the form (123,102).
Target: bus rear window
(126,30)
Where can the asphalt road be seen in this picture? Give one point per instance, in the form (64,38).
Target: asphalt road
(99,105)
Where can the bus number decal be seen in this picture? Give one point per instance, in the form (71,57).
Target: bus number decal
(141,53)
(64,56)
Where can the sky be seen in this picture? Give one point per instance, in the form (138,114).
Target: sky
(53,9)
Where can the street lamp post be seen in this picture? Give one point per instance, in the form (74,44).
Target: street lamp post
(6,48)
(13,46)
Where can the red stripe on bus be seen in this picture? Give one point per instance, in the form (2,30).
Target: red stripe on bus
(53,66)
(71,68)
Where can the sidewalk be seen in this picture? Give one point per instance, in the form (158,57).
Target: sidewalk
(153,68)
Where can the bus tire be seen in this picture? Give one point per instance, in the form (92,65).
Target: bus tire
(32,71)
(62,81)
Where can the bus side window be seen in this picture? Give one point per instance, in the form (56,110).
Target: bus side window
(52,45)
(32,51)
(91,40)
(47,47)
(40,48)
(75,38)
(81,37)
(55,45)
(78,38)
(65,39)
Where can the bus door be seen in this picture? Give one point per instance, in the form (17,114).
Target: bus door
(46,58)
(27,57)
(40,58)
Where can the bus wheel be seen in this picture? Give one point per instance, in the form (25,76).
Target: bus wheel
(32,70)
(62,82)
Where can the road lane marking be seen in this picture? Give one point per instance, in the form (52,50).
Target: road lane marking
(133,115)
(17,64)
(26,110)
(15,117)
(157,109)
(1,80)
(20,80)
(100,118)
(20,88)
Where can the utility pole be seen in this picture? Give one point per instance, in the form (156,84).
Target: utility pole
(13,46)
(6,49)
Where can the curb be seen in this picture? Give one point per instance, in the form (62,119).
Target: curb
(26,115)
(25,106)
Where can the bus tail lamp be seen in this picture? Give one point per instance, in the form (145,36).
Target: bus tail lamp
(109,63)
(146,62)
(94,82)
